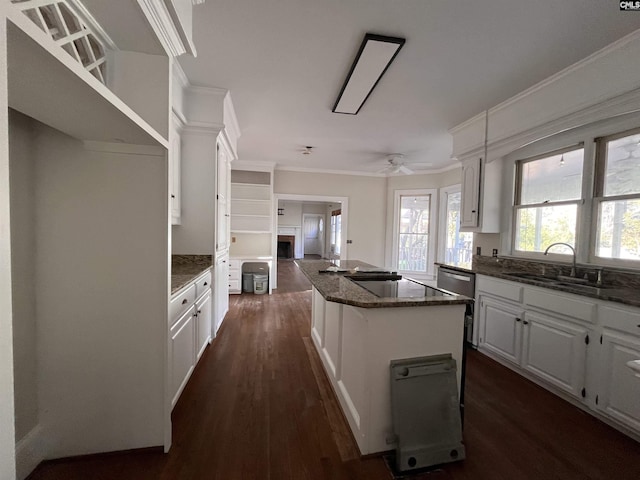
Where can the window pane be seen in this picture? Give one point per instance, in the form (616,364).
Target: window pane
(552,179)
(412,255)
(458,246)
(414,214)
(538,227)
(622,174)
(619,230)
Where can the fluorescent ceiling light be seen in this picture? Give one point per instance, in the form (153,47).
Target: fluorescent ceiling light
(374,57)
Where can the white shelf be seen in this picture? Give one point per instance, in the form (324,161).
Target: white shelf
(260,208)
(251,223)
(250,191)
(48,85)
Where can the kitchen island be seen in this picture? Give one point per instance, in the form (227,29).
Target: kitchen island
(358,333)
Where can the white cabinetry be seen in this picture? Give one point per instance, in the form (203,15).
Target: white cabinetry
(222,290)
(501,328)
(470,192)
(481,190)
(189,332)
(222,199)
(573,345)
(174,169)
(618,392)
(235,276)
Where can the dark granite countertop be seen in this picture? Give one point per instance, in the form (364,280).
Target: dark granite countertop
(185,268)
(620,287)
(334,287)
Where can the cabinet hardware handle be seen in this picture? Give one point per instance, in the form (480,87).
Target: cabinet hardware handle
(205,284)
(173,196)
(199,312)
(525,323)
(224,261)
(473,211)
(583,392)
(518,319)
(184,301)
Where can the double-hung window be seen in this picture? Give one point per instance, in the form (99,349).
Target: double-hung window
(547,200)
(617,198)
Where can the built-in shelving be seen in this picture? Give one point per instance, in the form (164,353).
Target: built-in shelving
(251,207)
(68,97)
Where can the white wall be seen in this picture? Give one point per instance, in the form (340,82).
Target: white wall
(23,259)
(142,82)
(250,244)
(292,211)
(101,285)
(7,429)
(195,235)
(367,209)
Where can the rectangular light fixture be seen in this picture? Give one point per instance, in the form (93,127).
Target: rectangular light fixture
(374,57)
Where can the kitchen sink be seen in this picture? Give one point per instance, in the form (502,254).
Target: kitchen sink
(531,276)
(582,287)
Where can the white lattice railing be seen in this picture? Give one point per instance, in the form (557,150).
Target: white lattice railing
(59,19)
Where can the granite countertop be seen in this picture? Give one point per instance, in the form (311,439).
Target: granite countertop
(619,287)
(185,268)
(334,287)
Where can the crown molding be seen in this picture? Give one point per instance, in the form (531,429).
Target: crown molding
(197,2)
(203,128)
(254,165)
(618,44)
(230,118)
(163,26)
(217,91)
(284,168)
(179,74)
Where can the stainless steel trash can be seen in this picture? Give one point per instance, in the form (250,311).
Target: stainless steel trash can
(247,282)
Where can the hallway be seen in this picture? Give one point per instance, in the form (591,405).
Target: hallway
(259,407)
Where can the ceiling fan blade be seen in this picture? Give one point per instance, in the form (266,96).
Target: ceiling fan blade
(405,170)
(384,170)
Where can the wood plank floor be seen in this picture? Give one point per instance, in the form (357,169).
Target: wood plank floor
(258,406)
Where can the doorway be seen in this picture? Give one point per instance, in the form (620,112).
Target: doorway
(307,220)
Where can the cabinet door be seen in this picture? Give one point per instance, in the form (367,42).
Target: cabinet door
(182,352)
(619,389)
(556,351)
(221,291)
(222,200)
(469,211)
(174,173)
(500,329)
(203,311)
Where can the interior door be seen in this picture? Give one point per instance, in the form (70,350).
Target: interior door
(312,235)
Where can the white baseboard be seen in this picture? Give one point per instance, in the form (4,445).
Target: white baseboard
(30,451)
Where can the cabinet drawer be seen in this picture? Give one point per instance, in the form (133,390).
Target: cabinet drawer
(499,288)
(561,304)
(203,283)
(621,318)
(234,275)
(234,264)
(181,302)
(234,286)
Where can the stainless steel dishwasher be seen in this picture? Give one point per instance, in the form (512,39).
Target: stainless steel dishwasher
(462,283)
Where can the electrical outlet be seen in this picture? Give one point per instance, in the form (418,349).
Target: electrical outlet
(233,239)
(478,251)
(494,253)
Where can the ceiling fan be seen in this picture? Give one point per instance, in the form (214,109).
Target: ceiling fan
(396,164)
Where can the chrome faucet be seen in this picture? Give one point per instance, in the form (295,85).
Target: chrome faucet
(573,269)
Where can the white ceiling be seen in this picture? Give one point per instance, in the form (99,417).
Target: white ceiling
(286,60)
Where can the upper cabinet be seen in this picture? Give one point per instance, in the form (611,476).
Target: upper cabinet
(470,192)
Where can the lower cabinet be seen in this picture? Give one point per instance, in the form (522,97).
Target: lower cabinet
(501,328)
(203,314)
(182,348)
(555,350)
(189,332)
(577,346)
(221,290)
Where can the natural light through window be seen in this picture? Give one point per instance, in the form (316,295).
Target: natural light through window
(458,245)
(413,238)
(548,195)
(618,235)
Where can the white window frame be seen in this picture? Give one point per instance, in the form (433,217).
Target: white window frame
(518,206)
(429,274)
(598,198)
(442,219)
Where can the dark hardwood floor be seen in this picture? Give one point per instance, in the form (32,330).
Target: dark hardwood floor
(258,406)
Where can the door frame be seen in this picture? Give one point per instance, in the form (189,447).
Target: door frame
(344,205)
